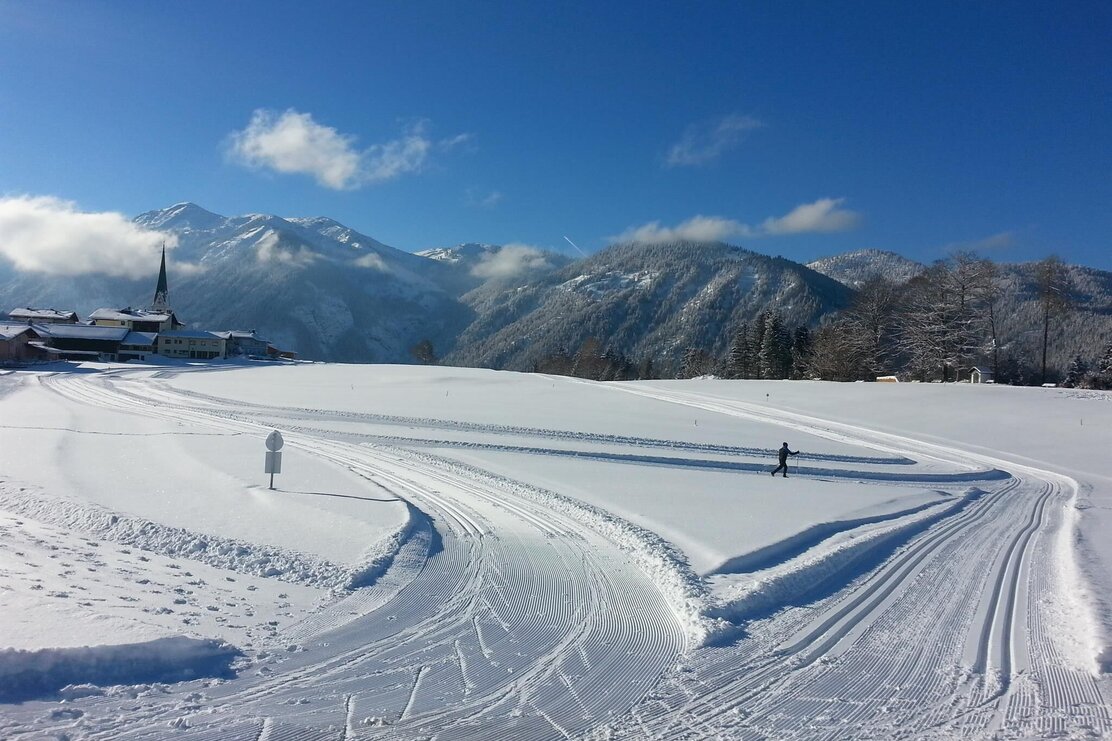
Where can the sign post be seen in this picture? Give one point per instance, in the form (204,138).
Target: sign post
(274,444)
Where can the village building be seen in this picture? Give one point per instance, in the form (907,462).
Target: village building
(81,341)
(245,343)
(121,335)
(980,374)
(20,343)
(194,344)
(27,315)
(137,320)
(137,346)
(158,318)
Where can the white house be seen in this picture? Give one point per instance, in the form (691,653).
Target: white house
(137,320)
(193,344)
(42,316)
(244,342)
(980,374)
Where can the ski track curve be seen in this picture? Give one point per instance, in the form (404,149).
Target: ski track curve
(527,625)
(517,604)
(949,638)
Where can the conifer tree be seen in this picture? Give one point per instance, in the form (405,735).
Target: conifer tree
(756,342)
(739,362)
(775,352)
(801,352)
(1076,373)
(1102,379)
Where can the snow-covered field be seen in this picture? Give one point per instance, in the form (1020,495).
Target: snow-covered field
(454,553)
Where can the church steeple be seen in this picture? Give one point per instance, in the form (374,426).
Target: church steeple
(161,292)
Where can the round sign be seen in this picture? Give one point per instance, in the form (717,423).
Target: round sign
(274,441)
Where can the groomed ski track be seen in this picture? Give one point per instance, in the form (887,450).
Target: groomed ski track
(953,636)
(523,623)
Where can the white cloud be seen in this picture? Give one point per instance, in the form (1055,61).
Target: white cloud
(270,249)
(293,143)
(824,215)
(372,261)
(511,260)
(696,229)
(49,235)
(705,142)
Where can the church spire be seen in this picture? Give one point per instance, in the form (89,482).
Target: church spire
(161,292)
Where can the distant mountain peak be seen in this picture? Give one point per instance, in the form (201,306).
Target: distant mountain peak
(461,252)
(856,267)
(181,216)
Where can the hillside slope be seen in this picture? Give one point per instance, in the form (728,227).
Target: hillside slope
(644,300)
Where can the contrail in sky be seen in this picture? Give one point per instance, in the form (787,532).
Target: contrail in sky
(573,244)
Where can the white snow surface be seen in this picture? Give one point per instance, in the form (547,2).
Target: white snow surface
(458,553)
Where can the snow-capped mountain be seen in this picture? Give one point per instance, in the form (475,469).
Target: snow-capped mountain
(462,254)
(854,268)
(330,293)
(642,300)
(312,285)
(308,283)
(469,266)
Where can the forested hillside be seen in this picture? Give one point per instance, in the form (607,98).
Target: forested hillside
(643,302)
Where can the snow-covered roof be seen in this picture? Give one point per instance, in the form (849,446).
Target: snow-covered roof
(29,314)
(11,331)
(81,332)
(59,351)
(145,339)
(196,334)
(239,334)
(130,315)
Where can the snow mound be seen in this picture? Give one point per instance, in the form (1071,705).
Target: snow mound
(839,558)
(76,672)
(234,555)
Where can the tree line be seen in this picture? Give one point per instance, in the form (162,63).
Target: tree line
(937,326)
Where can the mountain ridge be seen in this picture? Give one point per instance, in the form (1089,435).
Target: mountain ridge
(332,293)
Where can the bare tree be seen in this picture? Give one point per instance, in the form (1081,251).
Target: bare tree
(834,355)
(871,321)
(1054,286)
(988,294)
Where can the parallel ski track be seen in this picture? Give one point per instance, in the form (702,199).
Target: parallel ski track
(176,396)
(841,675)
(527,595)
(922,646)
(238,410)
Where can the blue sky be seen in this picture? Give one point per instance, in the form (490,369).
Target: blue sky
(793,128)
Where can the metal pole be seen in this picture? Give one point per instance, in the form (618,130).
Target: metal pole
(272,480)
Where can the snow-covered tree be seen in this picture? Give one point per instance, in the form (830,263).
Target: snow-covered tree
(696,362)
(775,352)
(1101,377)
(1053,284)
(739,361)
(801,352)
(1076,373)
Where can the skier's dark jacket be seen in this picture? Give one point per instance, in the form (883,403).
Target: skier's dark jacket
(784,453)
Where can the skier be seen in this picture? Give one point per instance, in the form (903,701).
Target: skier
(784,453)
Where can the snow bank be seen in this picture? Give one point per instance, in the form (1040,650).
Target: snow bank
(712,617)
(26,675)
(234,555)
(838,559)
(379,558)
